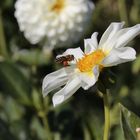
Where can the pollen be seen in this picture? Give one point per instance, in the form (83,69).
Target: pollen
(87,63)
(57,6)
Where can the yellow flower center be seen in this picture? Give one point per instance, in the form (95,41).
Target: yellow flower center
(87,63)
(57,6)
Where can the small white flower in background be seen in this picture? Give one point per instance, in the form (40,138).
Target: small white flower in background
(84,69)
(58,22)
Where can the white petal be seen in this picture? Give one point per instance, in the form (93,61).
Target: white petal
(56,79)
(88,81)
(110,32)
(77,52)
(124,36)
(72,21)
(91,44)
(70,88)
(127,53)
(119,55)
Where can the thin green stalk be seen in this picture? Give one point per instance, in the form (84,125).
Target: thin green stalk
(42,113)
(3,48)
(123,11)
(45,120)
(87,135)
(47,128)
(107,116)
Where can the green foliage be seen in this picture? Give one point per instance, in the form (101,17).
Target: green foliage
(136,65)
(25,115)
(34,57)
(14,82)
(130,122)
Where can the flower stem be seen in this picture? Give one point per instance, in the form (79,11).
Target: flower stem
(107,116)
(44,115)
(42,112)
(47,128)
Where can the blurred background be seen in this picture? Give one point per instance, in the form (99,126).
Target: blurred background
(25,115)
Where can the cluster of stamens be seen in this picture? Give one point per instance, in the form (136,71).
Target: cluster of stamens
(57,6)
(87,63)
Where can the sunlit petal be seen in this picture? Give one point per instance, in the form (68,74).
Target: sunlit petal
(88,80)
(91,44)
(119,55)
(109,33)
(56,79)
(69,89)
(124,36)
(77,52)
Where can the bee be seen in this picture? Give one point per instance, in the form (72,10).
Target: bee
(64,59)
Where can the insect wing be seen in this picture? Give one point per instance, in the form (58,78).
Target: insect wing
(60,59)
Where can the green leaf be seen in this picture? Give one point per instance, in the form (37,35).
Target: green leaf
(38,129)
(14,83)
(87,135)
(5,133)
(129,122)
(94,124)
(36,97)
(13,110)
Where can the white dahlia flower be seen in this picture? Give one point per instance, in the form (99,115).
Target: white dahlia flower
(58,22)
(84,70)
